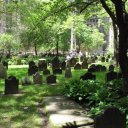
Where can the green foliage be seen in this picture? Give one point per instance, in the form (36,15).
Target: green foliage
(97,95)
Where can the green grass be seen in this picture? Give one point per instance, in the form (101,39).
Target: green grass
(21,111)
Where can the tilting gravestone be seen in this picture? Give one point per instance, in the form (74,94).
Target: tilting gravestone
(57,71)
(26,81)
(111,76)
(63,65)
(88,76)
(51,79)
(68,73)
(84,64)
(32,70)
(111,118)
(72,62)
(37,78)
(42,65)
(11,85)
(3,72)
(111,68)
(46,72)
(77,66)
(31,63)
(5,64)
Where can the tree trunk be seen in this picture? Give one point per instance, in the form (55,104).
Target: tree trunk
(35,47)
(57,48)
(115,31)
(123,59)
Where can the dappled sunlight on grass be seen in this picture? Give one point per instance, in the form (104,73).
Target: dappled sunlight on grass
(21,111)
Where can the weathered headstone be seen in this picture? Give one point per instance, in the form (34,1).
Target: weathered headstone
(77,66)
(42,65)
(55,63)
(111,118)
(51,79)
(84,64)
(3,71)
(5,64)
(26,81)
(111,76)
(111,68)
(103,69)
(68,73)
(63,65)
(92,68)
(37,78)
(98,68)
(31,63)
(11,85)
(46,72)
(32,70)
(102,59)
(88,76)
(72,62)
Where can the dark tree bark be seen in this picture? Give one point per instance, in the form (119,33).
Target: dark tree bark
(57,48)
(123,41)
(35,47)
(115,31)
(120,19)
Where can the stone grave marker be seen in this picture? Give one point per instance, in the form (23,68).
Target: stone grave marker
(102,59)
(63,65)
(32,70)
(77,66)
(98,68)
(88,76)
(84,64)
(11,85)
(3,71)
(46,72)
(68,73)
(42,65)
(51,79)
(111,68)
(55,63)
(31,63)
(37,78)
(92,68)
(5,64)
(111,118)
(26,81)
(72,62)
(103,69)
(111,76)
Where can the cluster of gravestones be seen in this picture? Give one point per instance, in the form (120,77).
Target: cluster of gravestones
(111,75)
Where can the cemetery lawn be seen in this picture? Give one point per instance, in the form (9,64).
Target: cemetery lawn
(22,110)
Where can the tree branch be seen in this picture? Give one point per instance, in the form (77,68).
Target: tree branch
(62,9)
(108,10)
